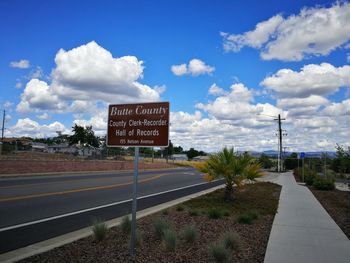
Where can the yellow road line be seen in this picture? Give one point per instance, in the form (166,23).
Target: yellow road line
(62,181)
(15,198)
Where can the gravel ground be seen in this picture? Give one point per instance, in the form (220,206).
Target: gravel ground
(260,197)
(337,204)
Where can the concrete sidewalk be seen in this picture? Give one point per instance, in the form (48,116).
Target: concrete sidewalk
(302,231)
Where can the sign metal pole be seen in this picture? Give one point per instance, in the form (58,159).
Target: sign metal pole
(134,202)
(303,169)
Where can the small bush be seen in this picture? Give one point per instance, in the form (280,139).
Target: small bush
(193,212)
(225,212)
(138,238)
(190,234)
(248,217)
(180,208)
(169,238)
(160,225)
(99,229)
(219,253)
(231,240)
(309,179)
(126,224)
(165,212)
(214,213)
(324,184)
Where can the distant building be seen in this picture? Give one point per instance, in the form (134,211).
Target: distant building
(88,150)
(179,157)
(39,147)
(200,158)
(62,148)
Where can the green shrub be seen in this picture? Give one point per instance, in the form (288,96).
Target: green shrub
(219,253)
(160,225)
(248,217)
(190,234)
(225,212)
(165,212)
(169,238)
(126,224)
(138,238)
(231,240)
(323,184)
(214,213)
(309,179)
(99,229)
(193,212)
(180,208)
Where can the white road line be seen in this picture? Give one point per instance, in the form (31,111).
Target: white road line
(95,208)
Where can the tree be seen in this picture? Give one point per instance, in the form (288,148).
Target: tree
(83,135)
(341,162)
(291,162)
(192,153)
(168,151)
(265,161)
(232,167)
(178,150)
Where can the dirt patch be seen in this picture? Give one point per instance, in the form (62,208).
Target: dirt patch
(47,166)
(261,197)
(337,204)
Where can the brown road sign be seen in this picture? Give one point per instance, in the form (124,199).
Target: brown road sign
(142,124)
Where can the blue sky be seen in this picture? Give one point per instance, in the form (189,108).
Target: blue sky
(223,65)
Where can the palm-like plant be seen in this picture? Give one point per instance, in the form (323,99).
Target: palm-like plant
(232,167)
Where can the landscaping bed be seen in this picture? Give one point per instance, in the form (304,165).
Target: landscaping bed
(337,204)
(248,219)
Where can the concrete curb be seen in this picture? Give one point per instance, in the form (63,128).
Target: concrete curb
(55,242)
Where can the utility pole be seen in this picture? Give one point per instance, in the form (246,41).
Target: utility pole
(325,165)
(3,127)
(280,146)
(280,141)
(2,133)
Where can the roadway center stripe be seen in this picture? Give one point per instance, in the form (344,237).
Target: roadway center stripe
(15,198)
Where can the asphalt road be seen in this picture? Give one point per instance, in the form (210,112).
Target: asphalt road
(35,208)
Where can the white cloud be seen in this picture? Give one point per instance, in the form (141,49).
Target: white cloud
(43,116)
(312,79)
(338,109)
(37,95)
(255,38)
(160,89)
(235,106)
(216,90)
(313,32)
(315,122)
(37,73)
(88,73)
(30,128)
(8,104)
(195,68)
(179,70)
(311,101)
(18,85)
(22,64)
